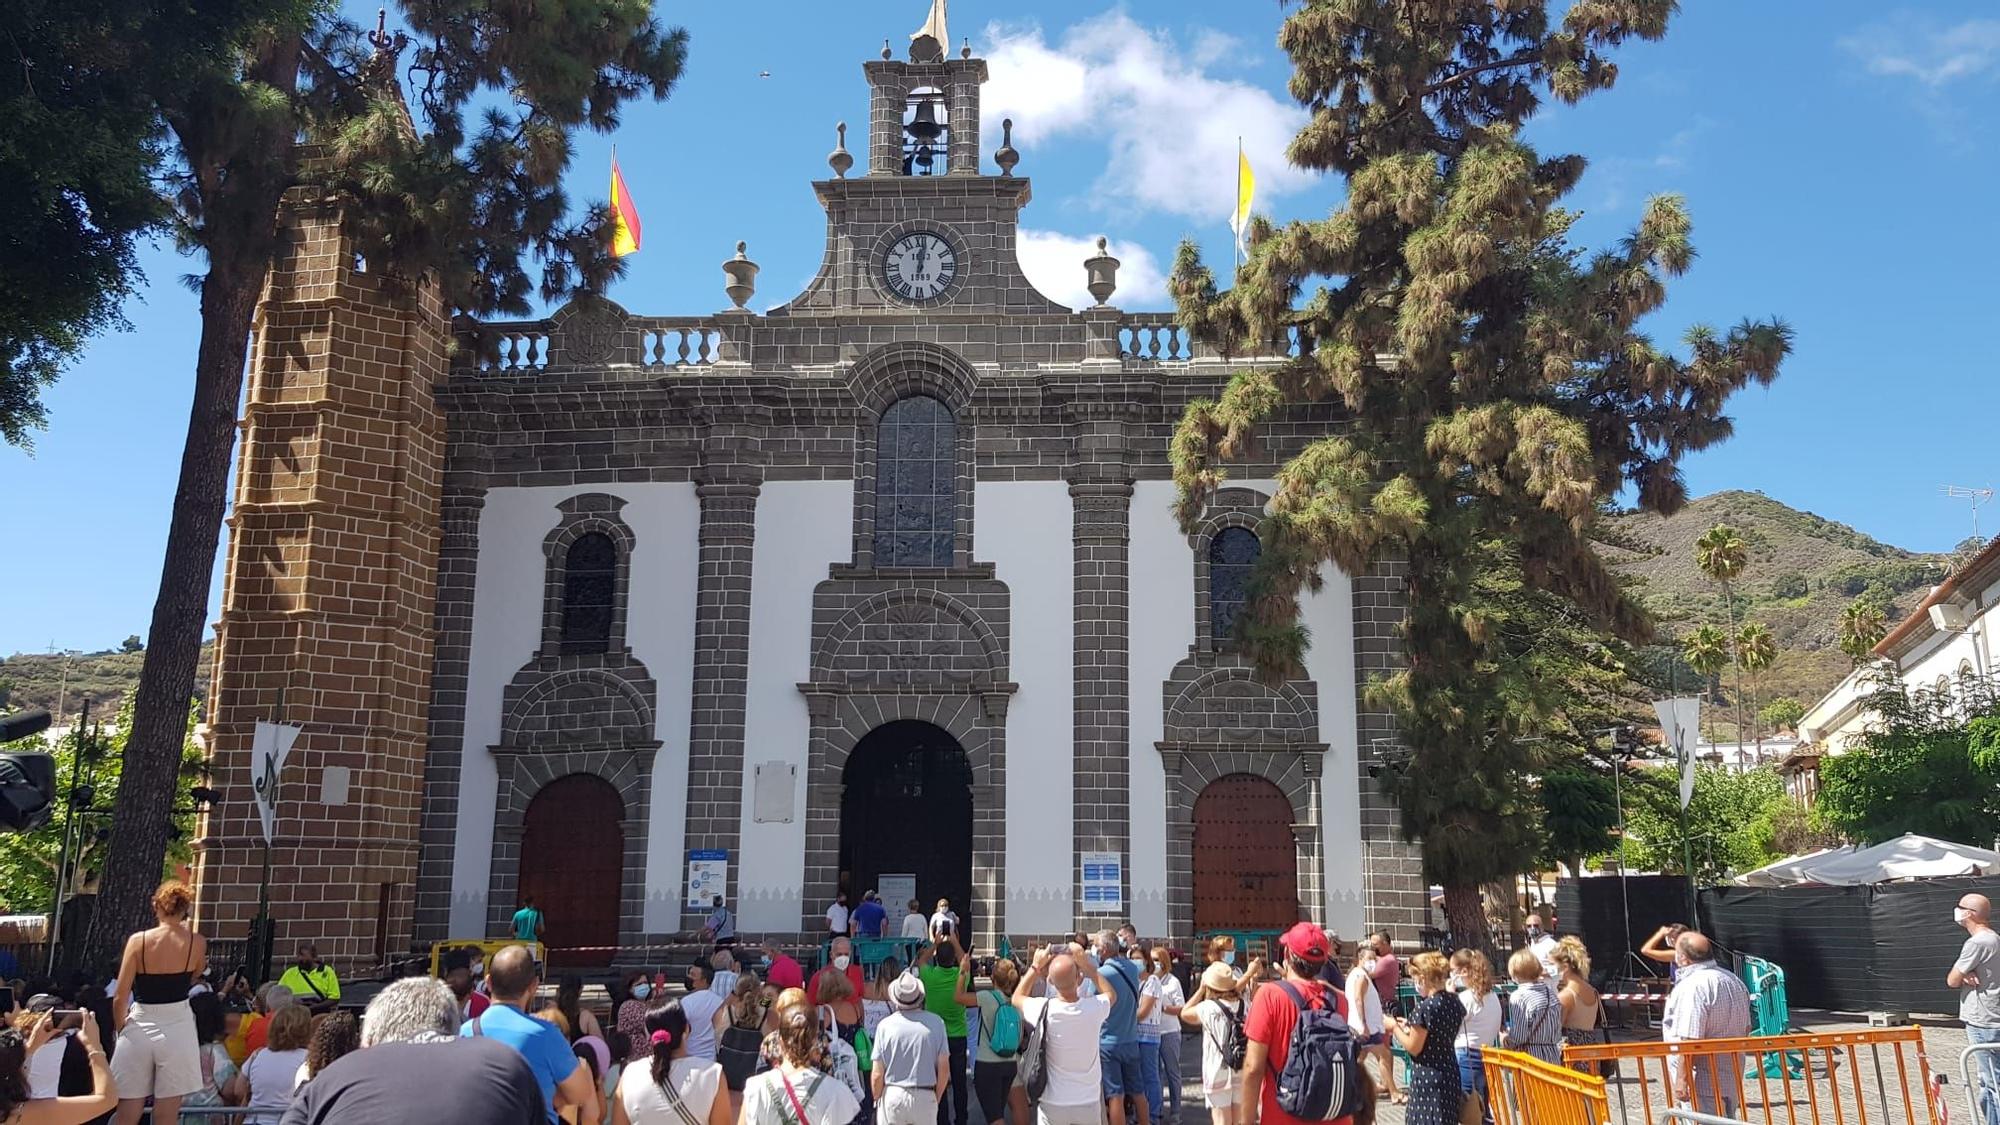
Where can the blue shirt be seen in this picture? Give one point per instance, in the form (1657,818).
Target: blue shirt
(1122,1025)
(540,1042)
(868,918)
(525,921)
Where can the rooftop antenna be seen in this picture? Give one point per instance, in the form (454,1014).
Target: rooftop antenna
(1978,496)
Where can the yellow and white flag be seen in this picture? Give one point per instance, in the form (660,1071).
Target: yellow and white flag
(1246,193)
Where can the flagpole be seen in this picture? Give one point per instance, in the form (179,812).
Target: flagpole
(1236,208)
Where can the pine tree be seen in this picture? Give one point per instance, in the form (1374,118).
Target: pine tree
(1496,383)
(311,102)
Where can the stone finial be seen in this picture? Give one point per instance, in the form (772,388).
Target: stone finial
(742,275)
(840,159)
(1103,271)
(887,53)
(965,50)
(1006,158)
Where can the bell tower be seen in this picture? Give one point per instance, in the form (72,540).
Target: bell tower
(923,114)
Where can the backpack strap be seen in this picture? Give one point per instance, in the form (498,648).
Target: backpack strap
(1298,1000)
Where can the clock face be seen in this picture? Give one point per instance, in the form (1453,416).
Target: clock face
(920,267)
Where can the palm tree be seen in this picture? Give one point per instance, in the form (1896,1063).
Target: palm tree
(1707,652)
(1756,651)
(1862,627)
(1722,554)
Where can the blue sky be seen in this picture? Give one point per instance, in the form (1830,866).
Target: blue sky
(1839,161)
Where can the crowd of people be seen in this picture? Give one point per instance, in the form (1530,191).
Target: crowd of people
(1080,1033)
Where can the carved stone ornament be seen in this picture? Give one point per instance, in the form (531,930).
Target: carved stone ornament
(590,335)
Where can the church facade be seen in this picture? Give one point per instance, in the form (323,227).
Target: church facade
(877,589)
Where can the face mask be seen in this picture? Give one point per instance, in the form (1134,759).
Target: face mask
(1229,956)
(1457,982)
(642,990)
(1958,915)
(764,965)
(1534,932)
(842,961)
(1096,960)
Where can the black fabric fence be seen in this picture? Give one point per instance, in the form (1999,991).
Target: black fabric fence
(1596,911)
(1885,947)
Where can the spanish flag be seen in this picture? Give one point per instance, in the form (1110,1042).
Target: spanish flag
(624,216)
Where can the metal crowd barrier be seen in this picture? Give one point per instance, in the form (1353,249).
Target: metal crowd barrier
(1524,1090)
(1693,1118)
(1971,1087)
(1874,1077)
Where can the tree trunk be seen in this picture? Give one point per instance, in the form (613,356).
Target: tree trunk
(142,816)
(1465,915)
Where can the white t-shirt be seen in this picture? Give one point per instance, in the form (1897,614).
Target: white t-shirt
(1075,1079)
(1166,993)
(941,917)
(1368,1019)
(697,1081)
(700,1008)
(836,919)
(826,1099)
(1215,1018)
(914,927)
(1481,1027)
(45,1068)
(1544,949)
(272,1076)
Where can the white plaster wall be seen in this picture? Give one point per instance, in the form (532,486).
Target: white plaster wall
(1329,614)
(506,631)
(802,528)
(1024,529)
(1162,608)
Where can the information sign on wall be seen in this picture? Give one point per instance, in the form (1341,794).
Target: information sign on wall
(708,876)
(1103,883)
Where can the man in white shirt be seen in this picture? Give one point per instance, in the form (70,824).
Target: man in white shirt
(837,916)
(1075,1094)
(1708,1002)
(1542,944)
(701,1003)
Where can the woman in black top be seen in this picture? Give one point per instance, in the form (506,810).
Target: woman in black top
(158,1055)
(1428,1036)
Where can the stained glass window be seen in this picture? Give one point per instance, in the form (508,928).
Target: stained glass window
(916,469)
(1232,555)
(590,584)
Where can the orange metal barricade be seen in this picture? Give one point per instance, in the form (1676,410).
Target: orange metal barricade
(1524,1090)
(1874,1077)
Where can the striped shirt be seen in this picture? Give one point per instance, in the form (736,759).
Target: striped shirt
(1708,1002)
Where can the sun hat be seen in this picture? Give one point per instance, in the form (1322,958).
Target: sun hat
(907,992)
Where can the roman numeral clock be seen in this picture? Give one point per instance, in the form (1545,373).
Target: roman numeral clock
(920,266)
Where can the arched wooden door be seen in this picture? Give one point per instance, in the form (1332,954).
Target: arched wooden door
(1246,874)
(906,809)
(573,863)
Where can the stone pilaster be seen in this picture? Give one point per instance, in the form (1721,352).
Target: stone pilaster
(328,600)
(1102,531)
(458,564)
(1392,871)
(727,487)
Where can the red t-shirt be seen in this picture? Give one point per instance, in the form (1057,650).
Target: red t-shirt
(853,978)
(1388,974)
(1270,1022)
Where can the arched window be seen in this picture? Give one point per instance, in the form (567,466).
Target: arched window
(590,585)
(1232,555)
(916,470)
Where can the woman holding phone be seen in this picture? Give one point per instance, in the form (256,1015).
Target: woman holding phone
(16,1049)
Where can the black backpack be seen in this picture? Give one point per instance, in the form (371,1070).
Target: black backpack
(1034,1054)
(1233,1040)
(1318,1081)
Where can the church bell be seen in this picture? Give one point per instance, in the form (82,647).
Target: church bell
(924,129)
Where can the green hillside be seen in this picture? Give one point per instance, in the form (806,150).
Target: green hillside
(1803,571)
(61,681)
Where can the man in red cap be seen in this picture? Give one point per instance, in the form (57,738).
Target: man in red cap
(1269,1026)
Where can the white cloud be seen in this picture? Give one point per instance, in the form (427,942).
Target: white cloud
(1053,261)
(1931,54)
(1170,125)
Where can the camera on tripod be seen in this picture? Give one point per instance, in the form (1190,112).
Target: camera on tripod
(27,778)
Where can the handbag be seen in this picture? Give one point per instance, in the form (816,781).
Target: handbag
(1471,1109)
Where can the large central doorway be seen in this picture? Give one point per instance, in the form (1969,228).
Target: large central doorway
(573,863)
(1245,862)
(906,808)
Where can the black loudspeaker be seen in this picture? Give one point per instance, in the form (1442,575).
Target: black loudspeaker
(27,791)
